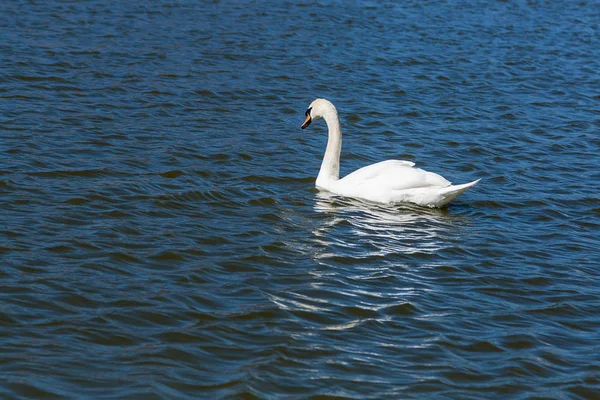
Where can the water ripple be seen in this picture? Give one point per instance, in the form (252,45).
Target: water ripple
(162,236)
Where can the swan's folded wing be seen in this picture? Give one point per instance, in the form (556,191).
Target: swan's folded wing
(392,175)
(374,170)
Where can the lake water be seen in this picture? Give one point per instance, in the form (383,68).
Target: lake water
(161,236)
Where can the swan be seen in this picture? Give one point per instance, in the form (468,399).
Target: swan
(391,181)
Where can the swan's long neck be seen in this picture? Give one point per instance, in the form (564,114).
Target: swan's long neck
(330,167)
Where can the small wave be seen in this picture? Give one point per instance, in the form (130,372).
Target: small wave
(83,173)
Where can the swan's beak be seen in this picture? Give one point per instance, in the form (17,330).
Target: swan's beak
(307,121)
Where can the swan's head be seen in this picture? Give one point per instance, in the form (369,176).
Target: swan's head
(318,109)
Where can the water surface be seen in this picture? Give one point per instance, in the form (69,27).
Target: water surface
(161,236)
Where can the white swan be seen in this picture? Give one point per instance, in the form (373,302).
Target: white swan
(391,181)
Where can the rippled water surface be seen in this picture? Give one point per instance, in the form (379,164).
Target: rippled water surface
(161,236)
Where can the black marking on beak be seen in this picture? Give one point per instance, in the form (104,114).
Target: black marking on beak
(308,119)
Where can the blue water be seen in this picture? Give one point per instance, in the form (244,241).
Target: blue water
(161,236)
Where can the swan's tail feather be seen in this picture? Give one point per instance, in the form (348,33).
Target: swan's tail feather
(451,192)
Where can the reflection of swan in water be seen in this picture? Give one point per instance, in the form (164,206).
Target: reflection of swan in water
(370,261)
(379,230)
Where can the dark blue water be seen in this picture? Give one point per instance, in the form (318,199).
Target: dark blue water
(161,236)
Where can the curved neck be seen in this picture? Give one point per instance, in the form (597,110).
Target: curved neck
(330,167)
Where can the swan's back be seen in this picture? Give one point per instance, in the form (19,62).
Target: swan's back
(394,175)
(391,181)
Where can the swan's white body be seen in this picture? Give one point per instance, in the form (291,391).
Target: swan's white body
(391,181)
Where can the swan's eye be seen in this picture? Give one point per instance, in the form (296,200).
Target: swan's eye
(307,113)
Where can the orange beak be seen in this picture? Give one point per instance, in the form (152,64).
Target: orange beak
(307,121)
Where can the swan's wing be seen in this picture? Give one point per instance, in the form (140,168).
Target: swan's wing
(371,171)
(392,175)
